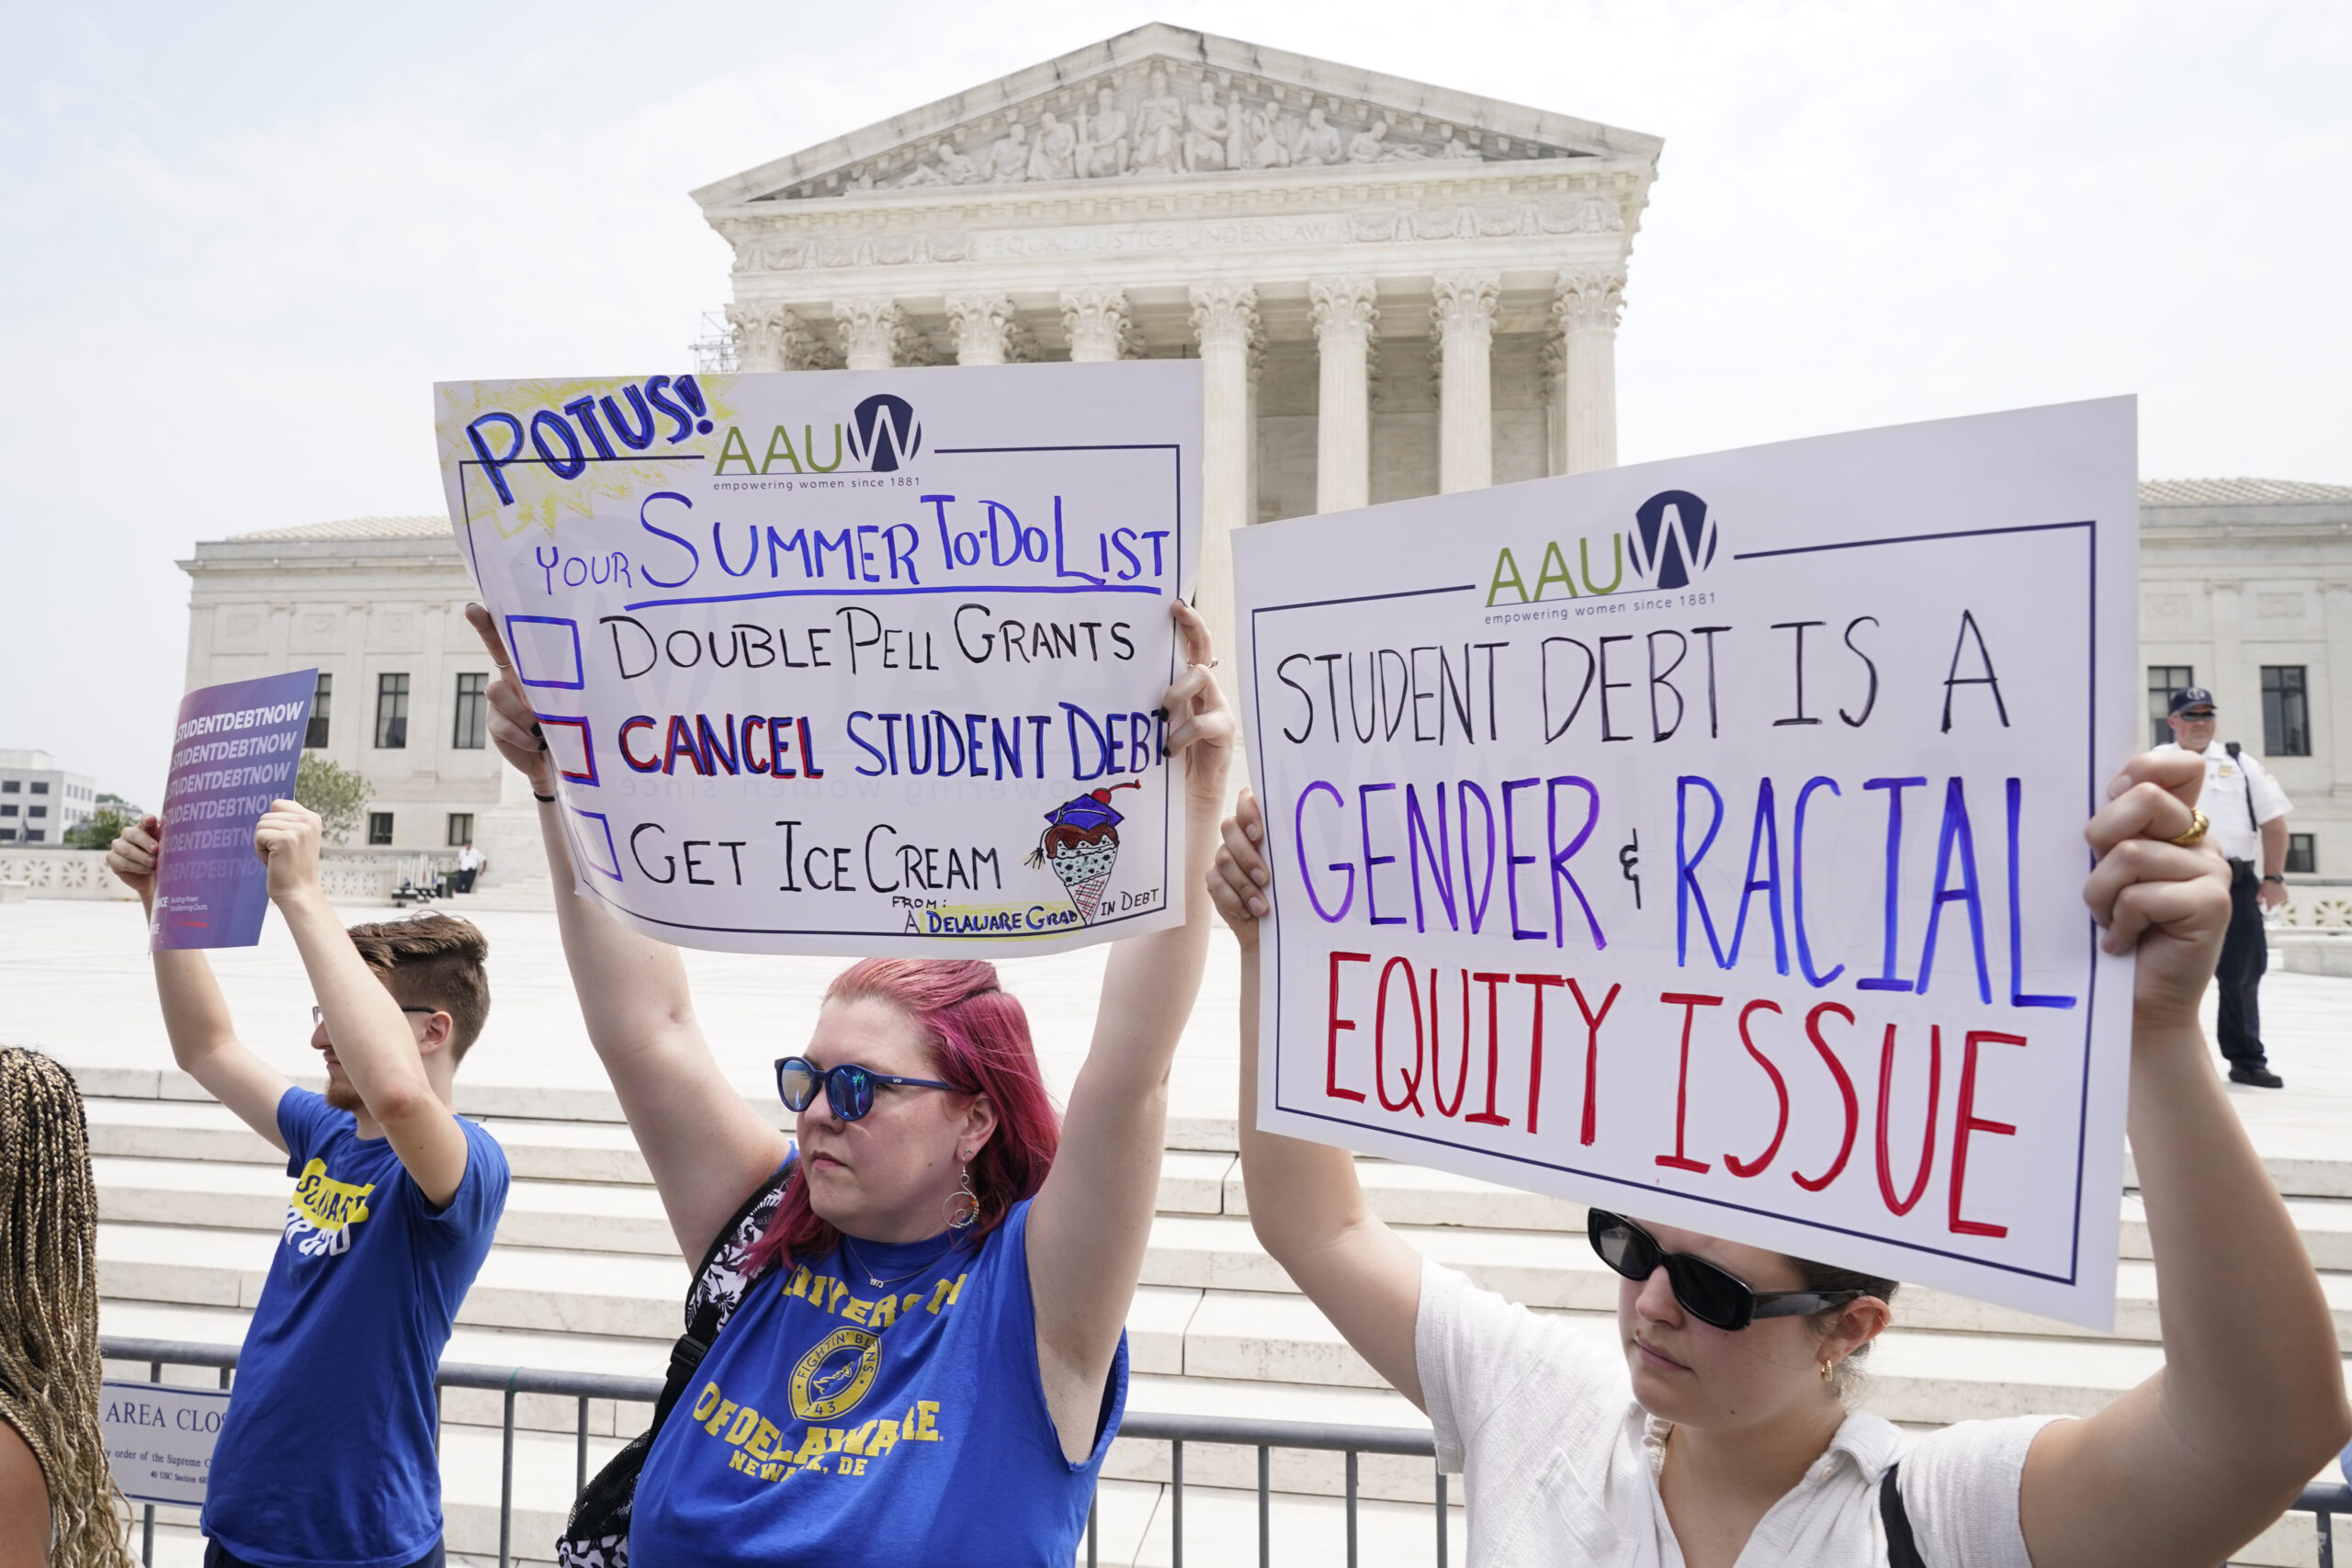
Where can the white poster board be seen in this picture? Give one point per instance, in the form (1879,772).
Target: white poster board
(1703,839)
(848,662)
(159,1438)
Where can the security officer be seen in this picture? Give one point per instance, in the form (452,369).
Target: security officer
(2248,811)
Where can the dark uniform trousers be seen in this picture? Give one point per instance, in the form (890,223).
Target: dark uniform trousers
(2237,981)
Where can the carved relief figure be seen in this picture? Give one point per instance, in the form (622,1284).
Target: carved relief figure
(1205,130)
(1102,138)
(1457,149)
(1159,121)
(1318,143)
(953,169)
(1371,146)
(1054,156)
(1272,133)
(1008,158)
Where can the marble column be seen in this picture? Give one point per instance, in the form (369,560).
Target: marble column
(759,335)
(870,331)
(983,326)
(1224,319)
(1586,308)
(1462,316)
(2334,715)
(1098,324)
(2237,692)
(1345,313)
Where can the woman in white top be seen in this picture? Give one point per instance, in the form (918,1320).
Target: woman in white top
(1712,1446)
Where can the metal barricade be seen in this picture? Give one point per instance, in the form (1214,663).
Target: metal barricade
(2323,1502)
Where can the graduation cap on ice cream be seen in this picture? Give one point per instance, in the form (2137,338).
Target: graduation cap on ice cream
(1081,844)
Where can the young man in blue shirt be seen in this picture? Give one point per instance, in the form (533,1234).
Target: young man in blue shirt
(326,1456)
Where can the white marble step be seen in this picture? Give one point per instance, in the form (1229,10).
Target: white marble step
(576,1216)
(1221,1253)
(2326,1224)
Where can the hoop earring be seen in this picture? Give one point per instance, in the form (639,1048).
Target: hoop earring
(1828,1370)
(963,1205)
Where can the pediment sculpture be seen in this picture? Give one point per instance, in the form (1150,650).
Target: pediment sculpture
(1170,126)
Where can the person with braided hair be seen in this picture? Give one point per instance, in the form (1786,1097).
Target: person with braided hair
(58,1501)
(327,1455)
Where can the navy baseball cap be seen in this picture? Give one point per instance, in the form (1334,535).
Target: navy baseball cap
(2191,697)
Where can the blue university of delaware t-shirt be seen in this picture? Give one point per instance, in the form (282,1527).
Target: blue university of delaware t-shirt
(840,1424)
(326,1455)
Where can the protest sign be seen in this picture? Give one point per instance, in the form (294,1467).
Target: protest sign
(159,1438)
(1703,839)
(235,750)
(848,662)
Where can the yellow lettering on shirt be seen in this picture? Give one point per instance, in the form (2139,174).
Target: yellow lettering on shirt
(856,1310)
(799,1282)
(707,1401)
(812,1447)
(327,1203)
(855,1442)
(913,1300)
(745,1423)
(763,1443)
(926,1424)
(719,1417)
(945,1292)
(885,1438)
(886,1312)
(839,1289)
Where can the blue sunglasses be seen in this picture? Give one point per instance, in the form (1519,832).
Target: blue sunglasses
(849,1089)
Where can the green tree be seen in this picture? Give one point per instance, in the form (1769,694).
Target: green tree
(98,830)
(338,795)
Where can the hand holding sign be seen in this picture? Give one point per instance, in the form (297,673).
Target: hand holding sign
(2169,900)
(513,728)
(131,857)
(287,839)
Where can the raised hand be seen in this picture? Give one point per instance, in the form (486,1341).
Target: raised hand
(2171,902)
(132,856)
(1200,727)
(514,728)
(287,837)
(1238,877)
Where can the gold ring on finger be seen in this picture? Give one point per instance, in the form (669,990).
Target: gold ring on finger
(2198,823)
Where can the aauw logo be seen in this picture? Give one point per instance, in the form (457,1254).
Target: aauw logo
(884,434)
(1674,539)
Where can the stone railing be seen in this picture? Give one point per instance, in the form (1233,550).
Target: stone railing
(2322,907)
(354,877)
(60,873)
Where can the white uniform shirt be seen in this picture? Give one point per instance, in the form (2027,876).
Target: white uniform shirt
(2224,801)
(469,859)
(1560,1465)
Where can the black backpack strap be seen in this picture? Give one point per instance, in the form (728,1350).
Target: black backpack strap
(1902,1552)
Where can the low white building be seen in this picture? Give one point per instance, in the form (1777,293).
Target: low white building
(40,800)
(377,605)
(2246,589)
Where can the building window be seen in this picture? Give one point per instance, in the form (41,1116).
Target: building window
(10,786)
(2285,712)
(35,836)
(314,739)
(8,835)
(2302,854)
(461,828)
(472,723)
(40,787)
(9,811)
(379,827)
(36,810)
(2164,680)
(392,712)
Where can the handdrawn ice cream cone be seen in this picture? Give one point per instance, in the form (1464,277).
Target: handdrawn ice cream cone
(1082,845)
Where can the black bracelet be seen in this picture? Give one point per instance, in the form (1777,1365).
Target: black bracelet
(543,799)
(2273,876)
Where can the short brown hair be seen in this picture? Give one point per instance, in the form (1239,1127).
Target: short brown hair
(432,960)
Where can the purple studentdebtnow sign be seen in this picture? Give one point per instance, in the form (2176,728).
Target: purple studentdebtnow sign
(234,751)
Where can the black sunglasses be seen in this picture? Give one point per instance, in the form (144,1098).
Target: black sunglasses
(1712,1295)
(849,1089)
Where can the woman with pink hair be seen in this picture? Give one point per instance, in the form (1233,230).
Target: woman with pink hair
(933,1349)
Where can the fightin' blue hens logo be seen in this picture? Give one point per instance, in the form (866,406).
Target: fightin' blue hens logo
(884,432)
(1673,539)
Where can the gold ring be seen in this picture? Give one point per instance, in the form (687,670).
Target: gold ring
(2198,823)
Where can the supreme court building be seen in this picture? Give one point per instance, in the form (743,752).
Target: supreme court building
(1395,290)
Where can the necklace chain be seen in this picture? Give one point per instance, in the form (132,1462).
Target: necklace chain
(875,1280)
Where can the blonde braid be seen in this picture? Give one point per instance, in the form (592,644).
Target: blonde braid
(49,1306)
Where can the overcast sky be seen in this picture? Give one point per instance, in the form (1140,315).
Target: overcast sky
(238,242)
